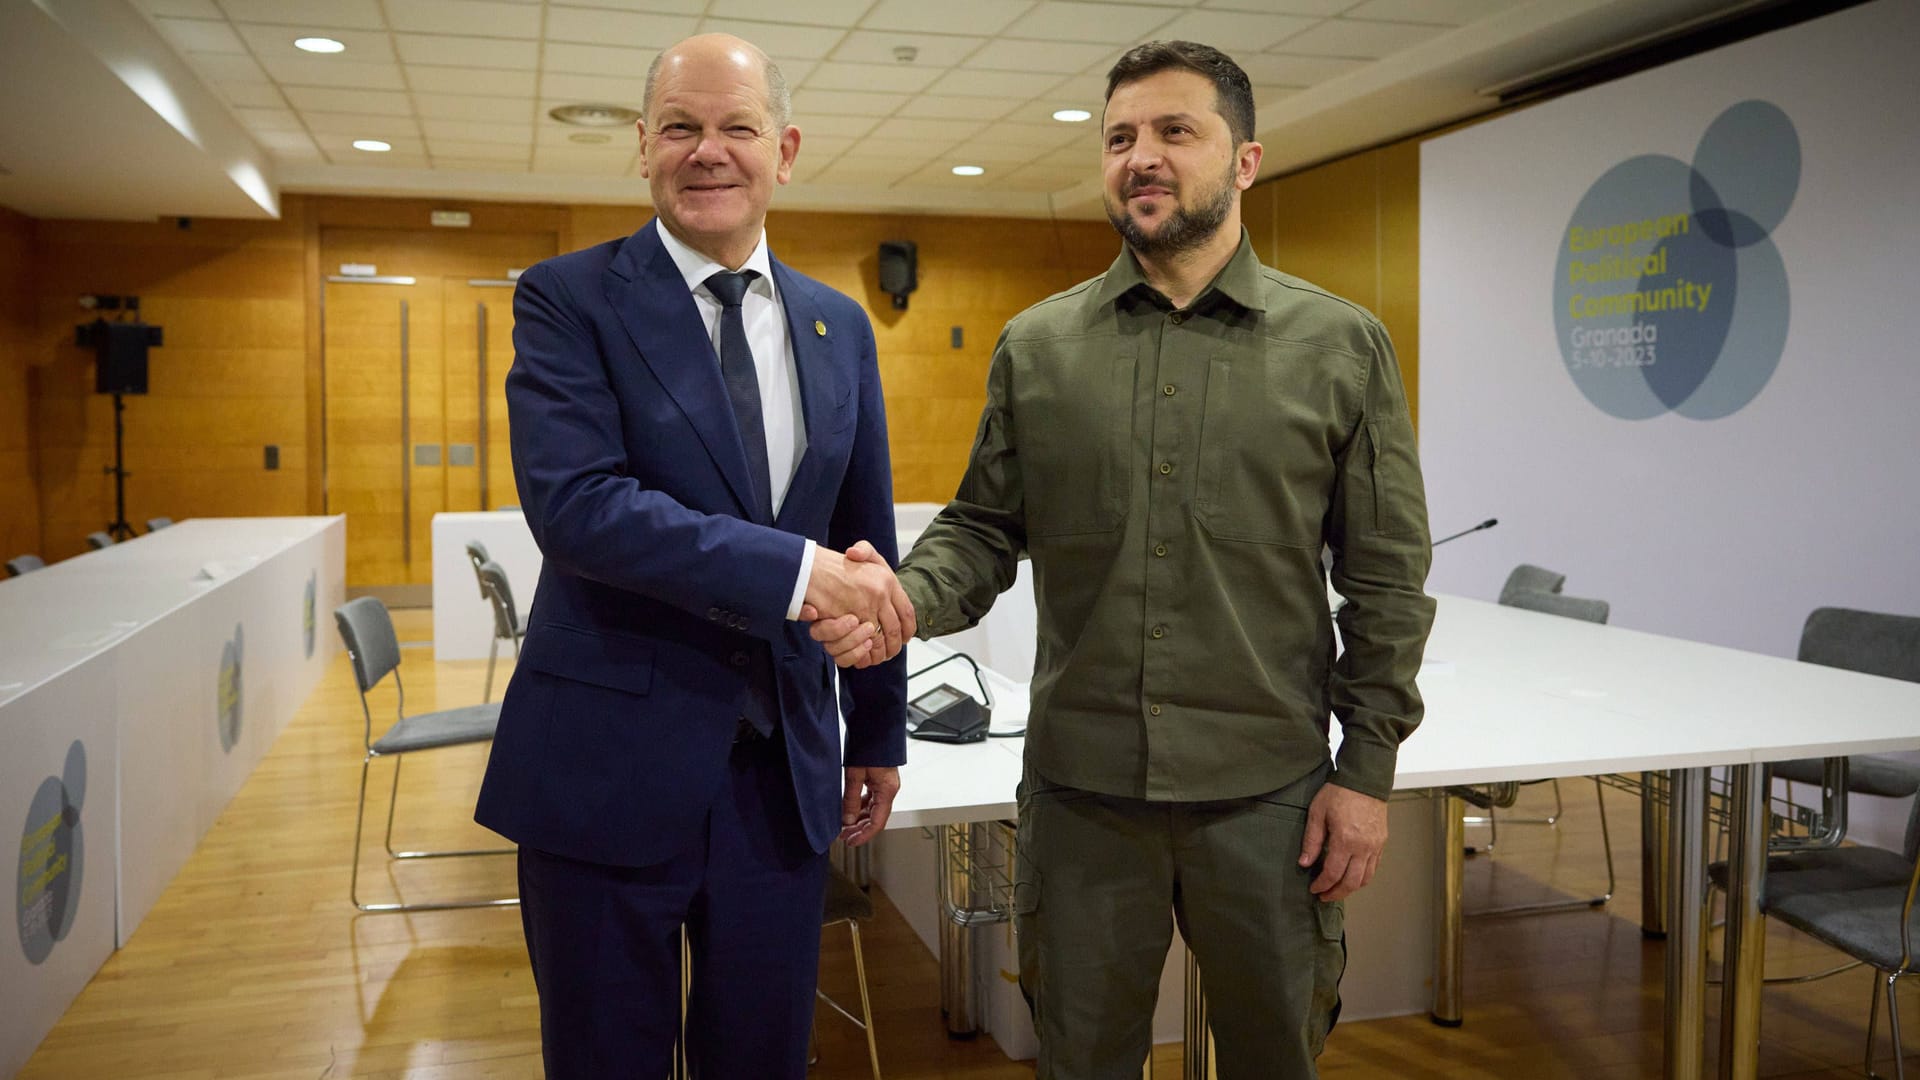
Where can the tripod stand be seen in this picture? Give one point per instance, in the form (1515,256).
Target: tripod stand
(118,527)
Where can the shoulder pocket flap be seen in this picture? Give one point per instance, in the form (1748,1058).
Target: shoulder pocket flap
(618,663)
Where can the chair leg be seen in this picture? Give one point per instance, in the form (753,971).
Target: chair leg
(393,805)
(1893,1027)
(359,819)
(1606,843)
(1873,1022)
(866,1003)
(493,653)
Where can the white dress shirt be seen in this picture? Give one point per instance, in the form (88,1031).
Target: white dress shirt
(765,319)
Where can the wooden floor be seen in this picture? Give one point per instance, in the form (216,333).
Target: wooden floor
(253,964)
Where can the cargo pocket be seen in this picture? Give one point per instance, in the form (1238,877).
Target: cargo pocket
(1399,498)
(1329,963)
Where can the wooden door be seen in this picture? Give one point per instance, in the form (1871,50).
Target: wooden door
(479,349)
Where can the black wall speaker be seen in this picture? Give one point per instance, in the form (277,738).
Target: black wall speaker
(120,353)
(899,270)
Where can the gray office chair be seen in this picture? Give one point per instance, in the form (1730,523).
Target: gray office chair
(24,564)
(1859,900)
(848,903)
(99,540)
(1875,644)
(155,524)
(1535,588)
(477,555)
(506,618)
(367,630)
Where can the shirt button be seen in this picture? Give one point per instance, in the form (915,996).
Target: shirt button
(1160,550)
(1178,317)
(1154,709)
(1166,468)
(1159,631)
(1167,389)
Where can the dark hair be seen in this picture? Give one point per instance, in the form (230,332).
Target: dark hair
(1232,90)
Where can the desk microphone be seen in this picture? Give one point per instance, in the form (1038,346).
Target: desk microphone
(1487,524)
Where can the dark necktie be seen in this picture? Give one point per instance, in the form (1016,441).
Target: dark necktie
(743,384)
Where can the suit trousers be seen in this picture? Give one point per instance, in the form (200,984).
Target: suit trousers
(605,942)
(1100,881)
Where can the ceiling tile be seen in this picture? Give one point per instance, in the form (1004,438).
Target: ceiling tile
(426,78)
(259,120)
(1087,92)
(598,60)
(1316,8)
(363,46)
(939,174)
(1041,110)
(200,35)
(1235,32)
(845,103)
(350,126)
(478,165)
(481,18)
(657,7)
(287,145)
(395,160)
(945,132)
(222,67)
(340,146)
(937,106)
(630,28)
(851,127)
(449,51)
(185,9)
(344,14)
(933,50)
(796,70)
(479,131)
(336,99)
(471,107)
(867,171)
(455,148)
(816,12)
(1038,180)
(1281,69)
(553,133)
(837,76)
(971,17)
(1059,57)
(249,95)
(315,71)
(604,89)
(1040,136)
(1364,40)
(994,84)
(595,162)
(782,41)
(1113,24)
(1438,12)
(822,147)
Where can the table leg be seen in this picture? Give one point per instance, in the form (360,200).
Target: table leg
(1686,1000)
(956,936)
(1653,854)
(1746,927)
(1449,875)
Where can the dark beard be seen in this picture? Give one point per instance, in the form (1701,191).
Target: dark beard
(1184,228)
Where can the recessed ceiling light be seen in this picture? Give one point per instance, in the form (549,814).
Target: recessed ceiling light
(1071,116)
(967,170)
(595,115)
(319,45)
(591,138)
(372,146)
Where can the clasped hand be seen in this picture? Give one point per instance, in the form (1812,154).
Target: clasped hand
(857,607)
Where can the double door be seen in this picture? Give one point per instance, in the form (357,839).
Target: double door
(415,402)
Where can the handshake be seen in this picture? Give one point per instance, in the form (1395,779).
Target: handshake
(857,607)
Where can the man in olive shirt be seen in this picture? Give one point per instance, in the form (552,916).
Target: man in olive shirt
(1173,443)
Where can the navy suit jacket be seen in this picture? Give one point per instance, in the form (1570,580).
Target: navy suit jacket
(660,620)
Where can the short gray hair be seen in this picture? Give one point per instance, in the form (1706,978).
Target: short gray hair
(779,97)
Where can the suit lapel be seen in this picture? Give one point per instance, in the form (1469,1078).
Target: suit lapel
(660,317)
(813,359)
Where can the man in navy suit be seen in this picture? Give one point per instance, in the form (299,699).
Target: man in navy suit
(697,432)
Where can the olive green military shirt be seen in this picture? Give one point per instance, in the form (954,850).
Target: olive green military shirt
(1173,475)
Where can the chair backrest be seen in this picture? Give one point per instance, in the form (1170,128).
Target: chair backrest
(98,540)
(367,631)
(1863,641)
(1527,577)
(1572,607)
(155,524)
(477,555)
(23,564)
(506,618)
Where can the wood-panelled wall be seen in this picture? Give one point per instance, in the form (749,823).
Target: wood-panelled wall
(19,492)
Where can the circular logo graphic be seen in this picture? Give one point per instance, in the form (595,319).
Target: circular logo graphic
(1669,294)
(228,688)
(51,858)
(306,613)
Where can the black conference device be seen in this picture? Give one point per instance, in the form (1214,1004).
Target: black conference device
(948,714)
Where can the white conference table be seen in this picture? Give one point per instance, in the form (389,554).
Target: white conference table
(1518,695)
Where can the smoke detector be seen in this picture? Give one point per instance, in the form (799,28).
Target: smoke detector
(595,115)
(906,54)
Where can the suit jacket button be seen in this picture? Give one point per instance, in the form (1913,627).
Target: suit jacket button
(740,622)
(713,614)
(738,659)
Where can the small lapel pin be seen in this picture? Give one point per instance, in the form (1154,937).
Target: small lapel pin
(820,328)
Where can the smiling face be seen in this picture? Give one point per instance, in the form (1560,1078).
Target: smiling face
(1172,173)
(712,148)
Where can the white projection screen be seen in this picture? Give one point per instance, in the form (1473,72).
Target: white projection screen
(1667,337)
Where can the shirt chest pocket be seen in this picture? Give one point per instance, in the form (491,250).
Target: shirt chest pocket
(1268,437)
(1073,418)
